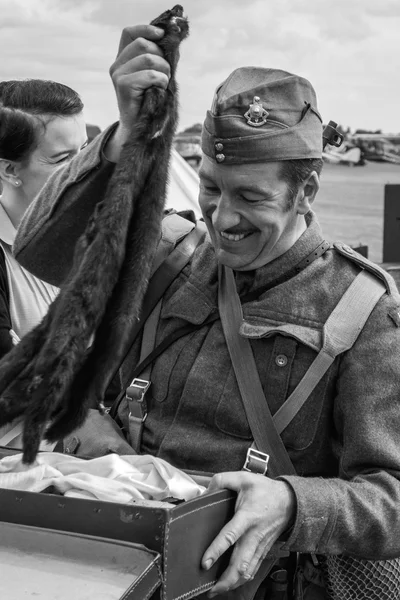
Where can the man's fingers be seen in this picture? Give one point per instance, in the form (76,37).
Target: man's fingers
(139,49)
(227,537)
(130,34)
(139,66)
(254,528)
(134,90)
(143,64)
(253,556)
(230,481)
(242,567)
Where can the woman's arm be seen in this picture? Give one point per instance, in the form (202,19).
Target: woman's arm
(49,230)
(52,227)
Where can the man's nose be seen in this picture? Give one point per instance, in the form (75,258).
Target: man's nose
(224,215)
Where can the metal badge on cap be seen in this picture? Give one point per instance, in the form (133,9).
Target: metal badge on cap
(256,115)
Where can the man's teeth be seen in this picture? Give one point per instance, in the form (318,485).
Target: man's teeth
(233,237)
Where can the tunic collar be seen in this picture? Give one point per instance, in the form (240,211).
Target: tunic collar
(195,299)
(248,281)
(7,229)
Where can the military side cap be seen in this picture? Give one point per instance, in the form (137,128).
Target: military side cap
(261,115)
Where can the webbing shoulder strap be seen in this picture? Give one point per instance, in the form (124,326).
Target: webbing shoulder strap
(168,269)
(265,435)
(339,334)
(165,274)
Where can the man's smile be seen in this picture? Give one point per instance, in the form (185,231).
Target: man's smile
(234,237)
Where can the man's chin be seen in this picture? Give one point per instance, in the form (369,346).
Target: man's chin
(235,262)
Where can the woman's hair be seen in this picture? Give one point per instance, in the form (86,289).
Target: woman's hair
(25,106)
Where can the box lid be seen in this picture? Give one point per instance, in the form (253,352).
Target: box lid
(54,565)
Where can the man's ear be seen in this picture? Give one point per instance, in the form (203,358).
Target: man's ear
(9,171)
(307,192)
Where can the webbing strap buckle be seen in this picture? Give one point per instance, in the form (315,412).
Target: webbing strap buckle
(256,461)
(141,386)
(135,395)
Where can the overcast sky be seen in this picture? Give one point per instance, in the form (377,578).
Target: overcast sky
(348,49)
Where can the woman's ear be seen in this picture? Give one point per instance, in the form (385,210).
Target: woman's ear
(307,192)
(9,171)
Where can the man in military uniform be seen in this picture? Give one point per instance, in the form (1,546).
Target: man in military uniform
(262,144)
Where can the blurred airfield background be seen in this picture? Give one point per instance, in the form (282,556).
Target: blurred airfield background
(351,201)
(349,205)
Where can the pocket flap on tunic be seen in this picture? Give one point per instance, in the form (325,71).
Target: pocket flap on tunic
(306,335)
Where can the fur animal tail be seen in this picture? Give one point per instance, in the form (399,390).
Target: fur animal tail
(84,299)
(81,306)
(112,337)
(97,292)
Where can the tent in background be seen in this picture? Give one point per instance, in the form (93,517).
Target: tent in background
(183,188)
(92,131)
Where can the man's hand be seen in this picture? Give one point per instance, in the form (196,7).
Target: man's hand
(139,65)
(264,510)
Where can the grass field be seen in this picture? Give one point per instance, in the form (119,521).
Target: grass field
(350,204)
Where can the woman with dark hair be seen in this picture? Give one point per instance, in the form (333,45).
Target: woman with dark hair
(41,129)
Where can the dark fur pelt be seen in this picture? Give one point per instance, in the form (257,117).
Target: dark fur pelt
(52,377)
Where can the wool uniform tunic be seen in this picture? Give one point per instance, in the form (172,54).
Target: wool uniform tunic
(344,442)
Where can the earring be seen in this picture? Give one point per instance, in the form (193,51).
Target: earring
(17,182)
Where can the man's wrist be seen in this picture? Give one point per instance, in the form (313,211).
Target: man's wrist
(290,504)
(113,146)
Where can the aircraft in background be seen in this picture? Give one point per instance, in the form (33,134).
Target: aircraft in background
(378,146)
(347,154)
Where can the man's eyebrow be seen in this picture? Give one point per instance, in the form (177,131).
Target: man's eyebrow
(254,189)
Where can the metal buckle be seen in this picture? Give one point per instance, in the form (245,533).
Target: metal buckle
(261,461)
(142,385)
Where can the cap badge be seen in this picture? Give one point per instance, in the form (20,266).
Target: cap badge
(256,115)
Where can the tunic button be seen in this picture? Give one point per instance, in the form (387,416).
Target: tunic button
(219,147)
(281,360)
(220,158)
